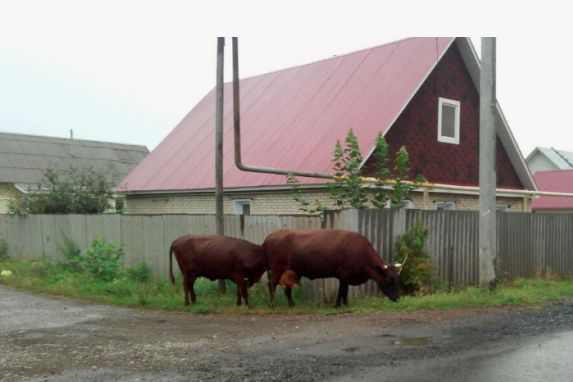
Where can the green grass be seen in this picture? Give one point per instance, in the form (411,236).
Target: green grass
(43,276)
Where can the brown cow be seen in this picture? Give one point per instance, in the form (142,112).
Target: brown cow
(346,255)
(217,257)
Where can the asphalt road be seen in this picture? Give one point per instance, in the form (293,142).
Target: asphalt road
(52,339)
(547,357)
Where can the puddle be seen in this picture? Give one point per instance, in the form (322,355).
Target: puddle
(413,341)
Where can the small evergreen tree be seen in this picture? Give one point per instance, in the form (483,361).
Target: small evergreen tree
(380,156)
(348,190)
(299,197)
(416,274)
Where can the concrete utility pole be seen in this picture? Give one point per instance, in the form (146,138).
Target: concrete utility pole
(219,144)
(487,175)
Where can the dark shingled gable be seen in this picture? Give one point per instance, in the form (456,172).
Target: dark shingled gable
(416,128)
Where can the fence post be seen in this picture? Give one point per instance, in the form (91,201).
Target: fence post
(398,227)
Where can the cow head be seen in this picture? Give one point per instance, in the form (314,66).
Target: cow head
(388,283)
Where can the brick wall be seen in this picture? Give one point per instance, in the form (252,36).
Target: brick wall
(276,202)
(280,202)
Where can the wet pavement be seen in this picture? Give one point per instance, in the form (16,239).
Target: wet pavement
(547,357)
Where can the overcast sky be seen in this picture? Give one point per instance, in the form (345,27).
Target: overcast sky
(129,71)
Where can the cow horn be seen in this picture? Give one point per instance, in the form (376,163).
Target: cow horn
(401,266)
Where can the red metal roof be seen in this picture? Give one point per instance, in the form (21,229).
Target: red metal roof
(292,118)
(556,181)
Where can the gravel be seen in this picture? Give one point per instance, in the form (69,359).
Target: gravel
(56,339)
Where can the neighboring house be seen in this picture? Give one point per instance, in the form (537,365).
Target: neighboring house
(25,158)
(543,159)
(555,181)
(420,92)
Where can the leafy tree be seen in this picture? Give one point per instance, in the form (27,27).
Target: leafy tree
(68,191)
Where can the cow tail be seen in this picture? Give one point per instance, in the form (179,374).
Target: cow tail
(171,277)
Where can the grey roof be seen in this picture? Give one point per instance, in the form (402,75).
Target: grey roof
(24,158)
(562,159)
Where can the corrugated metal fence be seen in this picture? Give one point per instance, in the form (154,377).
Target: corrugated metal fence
(528,244)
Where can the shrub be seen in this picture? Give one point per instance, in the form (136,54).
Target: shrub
(416,274)
(69,190)
(3,250)
(102,259)
(140,273)
(70,251)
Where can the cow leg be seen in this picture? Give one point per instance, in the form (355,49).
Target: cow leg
(241,291)
(192,289)
(345,294)
(245,292)
(288,293)
(188,286)
(342,297)
(270,285)
(274,278)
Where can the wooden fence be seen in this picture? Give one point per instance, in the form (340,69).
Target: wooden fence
(528,244)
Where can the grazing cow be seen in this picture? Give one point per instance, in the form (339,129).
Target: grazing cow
(217,257)
(315,254)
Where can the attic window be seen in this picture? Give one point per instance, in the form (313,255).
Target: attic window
(448,121)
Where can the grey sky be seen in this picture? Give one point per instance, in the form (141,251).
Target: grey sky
(129,71)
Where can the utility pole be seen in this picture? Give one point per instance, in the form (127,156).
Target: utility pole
(487,175)
(219,145)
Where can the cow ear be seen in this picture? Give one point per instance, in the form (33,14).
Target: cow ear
(381,268)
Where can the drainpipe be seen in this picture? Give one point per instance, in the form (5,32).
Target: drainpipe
(237,130)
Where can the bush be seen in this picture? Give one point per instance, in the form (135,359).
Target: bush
(70,251)
(3,250)
(416,274)
(140,273)
(71,190)
(102,260)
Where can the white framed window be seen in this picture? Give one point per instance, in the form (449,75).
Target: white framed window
(446,206)
(242,206)
(448,121)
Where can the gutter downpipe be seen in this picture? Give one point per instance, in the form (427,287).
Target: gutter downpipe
(237,131)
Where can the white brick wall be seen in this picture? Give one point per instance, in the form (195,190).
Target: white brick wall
(278,202)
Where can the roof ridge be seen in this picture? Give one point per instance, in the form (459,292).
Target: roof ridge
(562,156)
(329,58)
(78,140)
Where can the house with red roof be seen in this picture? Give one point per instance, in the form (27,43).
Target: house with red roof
(548,159)
(554,181)
(419,92)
